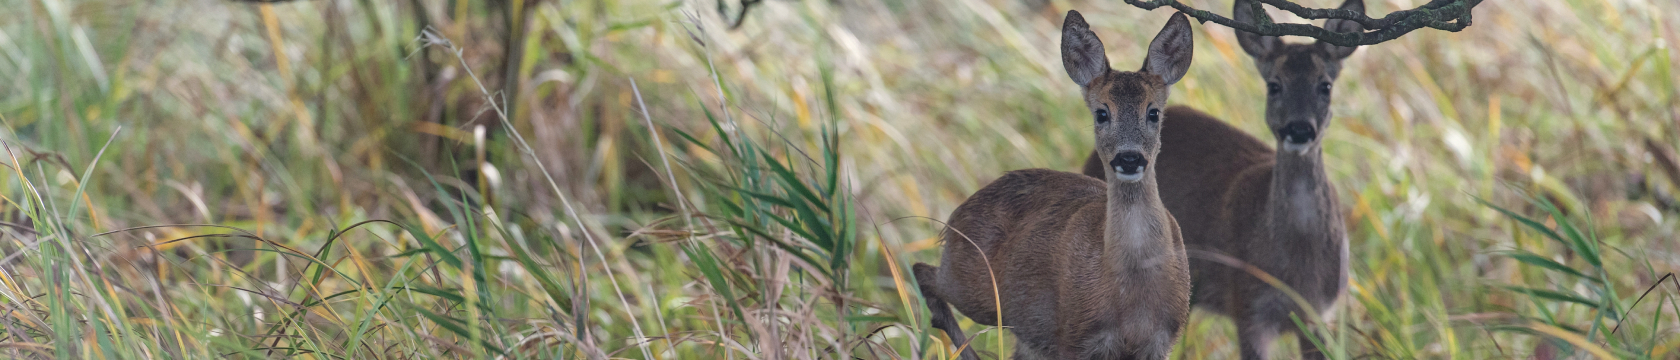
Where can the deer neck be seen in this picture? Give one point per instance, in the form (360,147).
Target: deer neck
(1302,208)
(1137,233)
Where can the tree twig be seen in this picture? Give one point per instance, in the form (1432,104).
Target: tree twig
(740,15)
(1449,15)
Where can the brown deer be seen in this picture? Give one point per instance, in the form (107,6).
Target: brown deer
(1084,269)
(1274,210)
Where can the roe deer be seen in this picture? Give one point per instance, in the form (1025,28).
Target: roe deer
(1084,269)
(1275,210)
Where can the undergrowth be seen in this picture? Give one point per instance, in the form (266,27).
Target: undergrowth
(635,179)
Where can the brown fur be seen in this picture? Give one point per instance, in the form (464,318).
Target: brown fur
(1085,269)
(1275,210)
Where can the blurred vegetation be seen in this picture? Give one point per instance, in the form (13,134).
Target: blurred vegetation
(633,179)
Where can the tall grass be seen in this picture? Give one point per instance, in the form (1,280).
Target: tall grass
(1603,302)
(363,179)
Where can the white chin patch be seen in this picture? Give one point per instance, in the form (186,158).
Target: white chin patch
(1127,178)
(1293,148)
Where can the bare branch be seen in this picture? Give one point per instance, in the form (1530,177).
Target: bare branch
(740,15)
(1448,15)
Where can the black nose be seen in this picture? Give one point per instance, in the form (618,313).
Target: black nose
(1129,163)
(1299,132)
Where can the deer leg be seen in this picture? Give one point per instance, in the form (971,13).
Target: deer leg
(1025,351)
(1255,335)
(943,319)
(1160,348)
(1308,351)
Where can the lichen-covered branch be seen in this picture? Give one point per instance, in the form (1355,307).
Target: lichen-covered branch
(1449,15)
(740,15)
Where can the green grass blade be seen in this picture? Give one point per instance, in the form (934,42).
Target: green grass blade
(791,182)
(1531,258)
(1553,295)
(1577,241)
(460,328)
(708,266)
(1530,223)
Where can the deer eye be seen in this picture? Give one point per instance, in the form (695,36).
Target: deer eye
(1102,116)
(1154,115)
(1324,88)
(1272,88)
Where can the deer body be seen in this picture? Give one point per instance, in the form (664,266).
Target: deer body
(1084,269)
(1224,199)
(1273,209)
(1073,270)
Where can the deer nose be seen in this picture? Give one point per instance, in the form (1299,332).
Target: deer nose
(1129,163)
(1298,132)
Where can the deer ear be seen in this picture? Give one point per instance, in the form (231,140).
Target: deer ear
(1170,53)
(1082,52)
(1343,26)
(1253,44)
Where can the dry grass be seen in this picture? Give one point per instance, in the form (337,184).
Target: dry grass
(231,214)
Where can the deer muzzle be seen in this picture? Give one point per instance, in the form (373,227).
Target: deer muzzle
(1298,132)
(1129,166)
